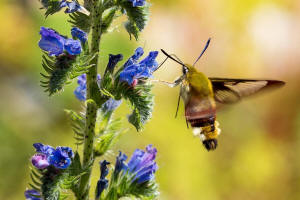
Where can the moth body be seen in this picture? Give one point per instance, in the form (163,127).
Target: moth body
(200,107)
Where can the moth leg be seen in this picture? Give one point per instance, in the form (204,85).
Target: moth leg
(187,123)
(177,105)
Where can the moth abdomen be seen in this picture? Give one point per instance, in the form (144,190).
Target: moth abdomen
(202,122)
(210,144)
(208,131)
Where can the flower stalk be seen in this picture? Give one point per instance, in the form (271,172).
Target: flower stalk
(91,110)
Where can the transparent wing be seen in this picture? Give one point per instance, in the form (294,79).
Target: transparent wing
(228,91)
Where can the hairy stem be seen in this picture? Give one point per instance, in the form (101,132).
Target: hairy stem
(92,95)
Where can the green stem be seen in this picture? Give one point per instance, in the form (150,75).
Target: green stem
(92,94)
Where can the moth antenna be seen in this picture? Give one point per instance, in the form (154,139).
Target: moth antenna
(166,60)
(176,57)
(171,57)
(162,63)
(206,46)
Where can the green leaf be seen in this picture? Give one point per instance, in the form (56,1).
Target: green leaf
(62,69)
(107,19)
(132,29)
(107,131)
(137,18)
(36,178)
(51,6)
(75,171)
(55,182)
(146,190)
(80,20)
(125,187)
(75,168)
(78,125)
(141,100)
(51,184)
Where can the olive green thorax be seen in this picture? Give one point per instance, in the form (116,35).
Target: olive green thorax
(199,83)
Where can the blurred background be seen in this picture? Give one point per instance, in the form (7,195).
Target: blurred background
(258,153)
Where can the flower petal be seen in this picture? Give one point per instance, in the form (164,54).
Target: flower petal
(73,47)
(80,34)
(44,149)
(32,195)
(40,161)
(51,41)
(111,104)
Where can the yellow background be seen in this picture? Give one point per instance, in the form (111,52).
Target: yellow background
(258,153)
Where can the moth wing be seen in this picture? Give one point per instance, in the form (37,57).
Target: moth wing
(228,91)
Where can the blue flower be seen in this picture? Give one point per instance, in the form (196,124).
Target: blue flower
(44,149)
(133,71)
(136,3)
(73,47)
(55,44)
(32,195)
(143,165)
(135,57)
(102,182)
(111,104)
(51,41)
(120,163)
(103,169)
(71,6)
(80,91)
(80,34)
(112,62)
(60,157)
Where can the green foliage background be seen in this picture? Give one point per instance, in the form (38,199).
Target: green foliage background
(258,153)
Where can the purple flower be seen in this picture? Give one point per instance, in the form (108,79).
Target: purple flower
(40,161)
(133,71)
(51,41)
(136,3)
(71,6)
(60,157)
(32,195)
(141,165)
(73,47)
(55,44)
(80,34)
(111,104)
(80,91)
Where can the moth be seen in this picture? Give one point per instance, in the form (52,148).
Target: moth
(202,94)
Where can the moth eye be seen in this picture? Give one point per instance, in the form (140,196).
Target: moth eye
(184,70)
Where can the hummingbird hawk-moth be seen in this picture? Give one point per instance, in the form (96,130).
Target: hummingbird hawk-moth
(201,94)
